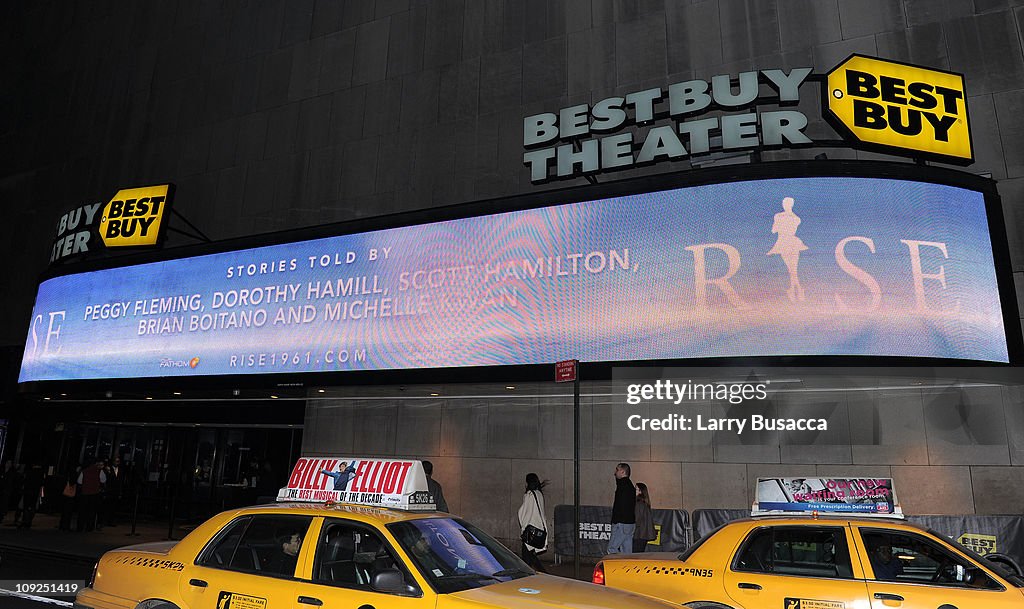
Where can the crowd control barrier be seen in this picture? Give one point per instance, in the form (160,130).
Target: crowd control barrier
(671,526)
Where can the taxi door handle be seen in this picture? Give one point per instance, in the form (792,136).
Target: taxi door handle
(883,596)
(746,586)
(309,600)
(197,583)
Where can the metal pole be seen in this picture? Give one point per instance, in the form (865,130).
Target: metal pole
(170,519)
(576,474)
(135,514)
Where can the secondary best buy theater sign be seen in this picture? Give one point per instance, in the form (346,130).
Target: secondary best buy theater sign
(132,218)
(873,103)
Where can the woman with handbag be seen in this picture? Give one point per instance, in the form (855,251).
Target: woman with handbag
(531,522)
(644,531)
(67,500)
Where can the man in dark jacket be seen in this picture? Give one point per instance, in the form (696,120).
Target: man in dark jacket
(31,492)
(114,491)
(623,512)
(434,487)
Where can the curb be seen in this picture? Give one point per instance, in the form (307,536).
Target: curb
(36,552)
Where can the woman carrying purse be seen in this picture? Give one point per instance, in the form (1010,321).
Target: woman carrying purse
(532,524)
(67,500)
(644,531)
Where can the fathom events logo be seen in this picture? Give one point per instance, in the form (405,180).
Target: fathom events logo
(180,363)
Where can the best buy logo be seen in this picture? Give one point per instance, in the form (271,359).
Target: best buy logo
(899,106)
(133,217)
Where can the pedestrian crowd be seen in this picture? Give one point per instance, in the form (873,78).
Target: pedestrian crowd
(632,522)
(88,496)
(92,493)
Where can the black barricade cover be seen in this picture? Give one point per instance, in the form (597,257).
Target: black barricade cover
(983,534)
(596,530)
(705,521)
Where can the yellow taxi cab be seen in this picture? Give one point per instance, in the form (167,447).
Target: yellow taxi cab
(812,562)
(303,555)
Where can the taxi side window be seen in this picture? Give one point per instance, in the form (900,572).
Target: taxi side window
(804,551)
(896,556)
(265,544)
(349,556)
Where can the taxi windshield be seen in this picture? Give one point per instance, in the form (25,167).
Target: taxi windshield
(453,555)
(1002,569)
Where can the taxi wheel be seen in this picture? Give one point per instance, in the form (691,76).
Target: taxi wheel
(155,603)
(706,605)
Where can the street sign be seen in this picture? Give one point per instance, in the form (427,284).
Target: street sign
(565,371)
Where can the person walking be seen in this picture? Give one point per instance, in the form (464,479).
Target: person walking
(6,487)
(67,500)
(623,512)
(17,485)
(31,492)
(531,513)
(114,491)
(644,531)
(435,487)
(90,481)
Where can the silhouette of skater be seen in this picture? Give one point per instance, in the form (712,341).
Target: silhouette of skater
(789,246)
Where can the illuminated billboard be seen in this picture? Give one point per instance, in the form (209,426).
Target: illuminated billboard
(837,266)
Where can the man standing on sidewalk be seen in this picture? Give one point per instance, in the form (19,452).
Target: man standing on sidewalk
(115,488)
(623,512)
(434,487)
(91,482)
(31,492)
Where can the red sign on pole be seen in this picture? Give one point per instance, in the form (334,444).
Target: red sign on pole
(565,371)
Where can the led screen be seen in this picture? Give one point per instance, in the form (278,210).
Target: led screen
(807,266)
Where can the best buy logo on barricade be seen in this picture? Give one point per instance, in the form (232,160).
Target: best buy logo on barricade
(982,544)
(133,217)
(895,105)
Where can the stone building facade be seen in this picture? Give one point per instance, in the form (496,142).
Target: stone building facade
(277,115)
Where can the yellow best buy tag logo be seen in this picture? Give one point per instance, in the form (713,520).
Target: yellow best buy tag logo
(133,217)
(982,544)
(899,106)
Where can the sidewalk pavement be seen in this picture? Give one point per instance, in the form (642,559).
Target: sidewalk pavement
(566,568)
(44,538)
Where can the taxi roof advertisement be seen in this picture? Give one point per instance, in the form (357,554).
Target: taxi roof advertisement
(849,496)
(393,483)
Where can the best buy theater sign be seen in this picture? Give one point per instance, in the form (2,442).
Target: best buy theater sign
(873,103)
(133,217)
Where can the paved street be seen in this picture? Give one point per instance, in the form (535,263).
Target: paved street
(18,565)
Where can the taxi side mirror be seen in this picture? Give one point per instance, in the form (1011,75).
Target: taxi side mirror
(1005,561)
(391,581)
